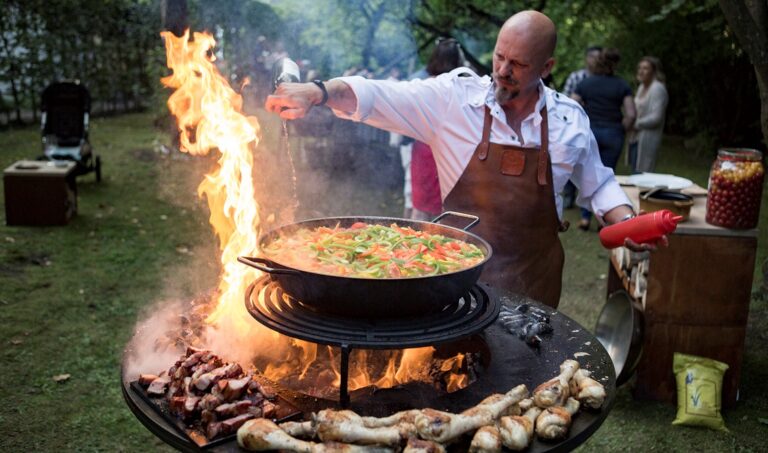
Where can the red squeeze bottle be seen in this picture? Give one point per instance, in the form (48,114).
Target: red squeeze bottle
(641,229)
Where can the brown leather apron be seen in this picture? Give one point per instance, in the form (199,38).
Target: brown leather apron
(510,189)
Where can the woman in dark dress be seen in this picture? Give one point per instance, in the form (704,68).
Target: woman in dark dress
(608,101)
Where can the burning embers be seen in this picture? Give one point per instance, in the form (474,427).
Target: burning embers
(376,369)
(313,369)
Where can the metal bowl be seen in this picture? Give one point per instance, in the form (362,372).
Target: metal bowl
(619,329)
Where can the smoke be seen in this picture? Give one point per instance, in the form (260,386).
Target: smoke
(147,352)
(340,168)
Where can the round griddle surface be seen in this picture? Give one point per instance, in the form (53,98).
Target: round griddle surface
(512,362)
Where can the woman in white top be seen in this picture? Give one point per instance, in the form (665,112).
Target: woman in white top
(651,102)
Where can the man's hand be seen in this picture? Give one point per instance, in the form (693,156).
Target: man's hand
(293,100)
(635,247)
(617,215)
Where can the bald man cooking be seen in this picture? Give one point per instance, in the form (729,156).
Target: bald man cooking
(504,146)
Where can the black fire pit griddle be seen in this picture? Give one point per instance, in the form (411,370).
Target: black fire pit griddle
(511,362)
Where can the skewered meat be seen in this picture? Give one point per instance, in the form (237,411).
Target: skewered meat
(553,423)
(210,402)
(588,391)
(199,387)
(205,367)
(212,377)
(556,391)
(262,434)
(146,379)
(227,426)
(445,427)
(487,439)
(235,388)
(176,404)
(346,426)
(159,385)
(190,407)
(303,430)
(416,445)
(516,431)
(233,409)
(193,359)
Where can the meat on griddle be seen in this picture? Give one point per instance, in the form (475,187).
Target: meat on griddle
(210,395)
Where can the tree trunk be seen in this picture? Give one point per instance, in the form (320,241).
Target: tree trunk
(749,21)
(373,25)
(13,73)
(174,16)
(762,83)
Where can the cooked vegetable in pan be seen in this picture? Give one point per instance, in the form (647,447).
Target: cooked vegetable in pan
(373,251)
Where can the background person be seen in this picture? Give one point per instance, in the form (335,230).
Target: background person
(607,99)
(651,102)
(425,184)
(574,78)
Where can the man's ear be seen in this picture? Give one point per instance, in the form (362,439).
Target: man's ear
(548,65)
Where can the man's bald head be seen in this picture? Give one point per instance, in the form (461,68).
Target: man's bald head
(533,30)
(523,56)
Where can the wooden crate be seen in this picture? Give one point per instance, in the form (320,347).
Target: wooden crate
(39,193)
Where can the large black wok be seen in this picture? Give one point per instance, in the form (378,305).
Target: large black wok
(374,298)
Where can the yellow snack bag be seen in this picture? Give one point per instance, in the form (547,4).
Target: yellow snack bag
(699,391)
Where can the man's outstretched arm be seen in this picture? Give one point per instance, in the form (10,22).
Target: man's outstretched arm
(293,100)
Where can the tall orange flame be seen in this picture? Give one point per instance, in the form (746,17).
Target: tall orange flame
(210,117)
(209,114)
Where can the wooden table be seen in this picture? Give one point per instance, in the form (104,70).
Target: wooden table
(696,301)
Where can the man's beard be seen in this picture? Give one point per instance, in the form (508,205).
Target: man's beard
(503,94)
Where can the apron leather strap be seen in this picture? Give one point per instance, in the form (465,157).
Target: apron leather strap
(485,143)
(544,151)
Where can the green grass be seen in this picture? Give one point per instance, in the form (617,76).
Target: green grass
(70,296)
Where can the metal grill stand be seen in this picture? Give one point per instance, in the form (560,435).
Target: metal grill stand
(277,310)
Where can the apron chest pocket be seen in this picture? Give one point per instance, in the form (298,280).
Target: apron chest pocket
(512,162)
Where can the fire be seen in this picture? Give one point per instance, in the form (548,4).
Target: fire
(210,117)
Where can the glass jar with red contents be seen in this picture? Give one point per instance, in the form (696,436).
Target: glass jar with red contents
(735,188)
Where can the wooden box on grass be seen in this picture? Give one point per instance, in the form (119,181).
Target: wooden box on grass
(39,193)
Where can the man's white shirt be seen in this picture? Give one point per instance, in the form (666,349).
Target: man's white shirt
(447,113)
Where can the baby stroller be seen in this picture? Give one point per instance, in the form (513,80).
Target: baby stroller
(65,109)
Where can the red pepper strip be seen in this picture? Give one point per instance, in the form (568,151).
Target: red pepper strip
(436,255)
(369,252)
(359,225)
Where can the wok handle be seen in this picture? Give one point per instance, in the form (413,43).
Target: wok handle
(475,219)
(264,265)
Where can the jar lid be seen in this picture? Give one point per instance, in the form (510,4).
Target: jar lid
(740,154)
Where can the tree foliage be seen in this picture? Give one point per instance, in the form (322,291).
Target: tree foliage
(109,46)
(711,80)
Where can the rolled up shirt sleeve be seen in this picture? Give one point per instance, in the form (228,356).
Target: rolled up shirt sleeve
(598,188)
(414,108)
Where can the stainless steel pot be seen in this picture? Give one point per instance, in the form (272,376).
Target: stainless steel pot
(619,329)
